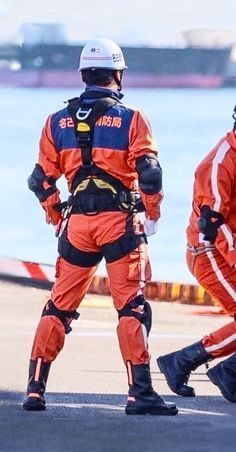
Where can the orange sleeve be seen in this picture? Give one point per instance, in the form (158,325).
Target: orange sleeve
(225,240)
(152,205)
(141,143)
(49,160)
(214,183)
(49,157)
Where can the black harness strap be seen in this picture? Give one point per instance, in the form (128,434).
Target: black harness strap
(103,192)
(114,251)
(122,246)
(125,244)
(88,203)
(84,116)
(75,256)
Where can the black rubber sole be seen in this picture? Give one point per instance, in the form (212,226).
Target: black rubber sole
(152,412)
(34,405)
(163,368)
(217,382)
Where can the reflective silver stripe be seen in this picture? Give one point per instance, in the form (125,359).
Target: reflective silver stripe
(142,262)
(228,235)
(219,157)
(220,276)
(197,250)
(222,344)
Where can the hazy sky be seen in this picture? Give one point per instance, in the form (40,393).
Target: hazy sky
(153,22)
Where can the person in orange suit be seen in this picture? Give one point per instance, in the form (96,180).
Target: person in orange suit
(107,154)
(211,257)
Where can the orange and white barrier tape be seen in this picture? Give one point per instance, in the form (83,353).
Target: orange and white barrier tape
(43,275)
(26,271)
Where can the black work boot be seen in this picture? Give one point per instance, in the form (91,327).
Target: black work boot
(38,375)
(223,375)
(177,367)
(142,399)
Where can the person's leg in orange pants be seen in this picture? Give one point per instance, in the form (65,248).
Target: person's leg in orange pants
(68,291)
(128,277)
(219,279)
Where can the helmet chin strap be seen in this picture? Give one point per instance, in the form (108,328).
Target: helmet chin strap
(234,117)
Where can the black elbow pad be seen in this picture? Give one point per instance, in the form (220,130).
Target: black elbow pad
(209,222)
(149,174)
(36,181)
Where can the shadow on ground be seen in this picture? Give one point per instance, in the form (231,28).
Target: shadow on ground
(97,422)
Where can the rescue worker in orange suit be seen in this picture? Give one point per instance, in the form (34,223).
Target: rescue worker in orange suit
(211,257)
(107,154)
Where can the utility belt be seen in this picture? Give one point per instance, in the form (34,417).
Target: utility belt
(87,203)
(93,203)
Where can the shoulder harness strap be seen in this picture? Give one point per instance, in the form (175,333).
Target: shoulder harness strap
(84,116)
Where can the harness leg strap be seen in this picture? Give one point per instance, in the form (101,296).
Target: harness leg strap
(65,317)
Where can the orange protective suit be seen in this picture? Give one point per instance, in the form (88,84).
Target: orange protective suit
(120,138)
(213,264)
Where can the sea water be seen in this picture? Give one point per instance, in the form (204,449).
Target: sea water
(186,125)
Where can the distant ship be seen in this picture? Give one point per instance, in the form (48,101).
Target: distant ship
(44,64)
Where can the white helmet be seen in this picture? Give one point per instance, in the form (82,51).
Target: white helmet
(102,53)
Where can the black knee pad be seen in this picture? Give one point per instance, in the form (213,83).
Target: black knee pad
(65,317)
(144,316)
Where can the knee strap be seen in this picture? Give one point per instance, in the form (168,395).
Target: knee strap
(65,317)
(140,309)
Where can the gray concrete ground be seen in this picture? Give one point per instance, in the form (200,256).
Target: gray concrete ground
(87,386)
